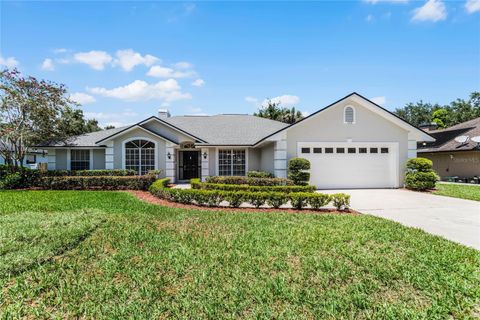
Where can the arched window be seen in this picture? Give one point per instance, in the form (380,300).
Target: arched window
(349,115)
(187,145)
(140,156)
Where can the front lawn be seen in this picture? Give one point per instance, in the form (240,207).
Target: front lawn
(471,192)
(108,255)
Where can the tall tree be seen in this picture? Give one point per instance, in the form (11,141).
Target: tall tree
(72,122)
(32,112)
(273,110)
(442,117)
(417,113)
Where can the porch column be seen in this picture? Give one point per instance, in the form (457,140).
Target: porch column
(170,162)
(51,164)
(109,154)
(280,158)
(205,162)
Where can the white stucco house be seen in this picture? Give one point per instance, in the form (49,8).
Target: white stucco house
(352,143)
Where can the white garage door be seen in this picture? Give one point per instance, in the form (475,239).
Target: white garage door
(350,165)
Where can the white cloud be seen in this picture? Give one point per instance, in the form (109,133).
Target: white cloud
(251,100)
(48,65)
(198,83)
(164,72)
(385,1)
(183,65)
(379,100)
(82,98)
(129,59)
(432,10)
(472,6)
(95,59)
(9,62)
(168,90)
(285,100)
(369,18)
(305,113)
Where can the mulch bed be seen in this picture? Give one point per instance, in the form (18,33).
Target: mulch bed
(148,197)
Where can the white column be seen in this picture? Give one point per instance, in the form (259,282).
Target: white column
(51,164)
(205,162)
(280,158)
(109,154)
(69,160)
(412,149)
(170,162)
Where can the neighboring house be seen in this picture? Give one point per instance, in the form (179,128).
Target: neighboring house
(352,143)
(31,160)
(450,157)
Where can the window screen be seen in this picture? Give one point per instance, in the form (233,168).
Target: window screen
(349,115)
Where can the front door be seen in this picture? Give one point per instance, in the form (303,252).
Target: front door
(189,165)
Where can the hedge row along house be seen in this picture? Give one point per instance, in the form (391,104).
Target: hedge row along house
(351,143)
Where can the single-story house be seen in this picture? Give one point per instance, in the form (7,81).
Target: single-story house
(352,143)
(454,153)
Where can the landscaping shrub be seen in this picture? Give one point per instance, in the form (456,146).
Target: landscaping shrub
(235,199)
(87,173)
(319,200)
(196,184)
(340,201)
(259,174)
(201,197)
(299,200)
(97,183)
(421,180)
(250,181)
(419,165)
(257,199)
(276,199)
(296,173)
(420,175)
(12,177)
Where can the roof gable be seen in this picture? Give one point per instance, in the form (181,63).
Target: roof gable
(416,132)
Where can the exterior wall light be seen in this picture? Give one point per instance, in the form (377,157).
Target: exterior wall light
(204,155)
(169,155)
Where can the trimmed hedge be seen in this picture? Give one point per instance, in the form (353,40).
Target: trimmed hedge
(196,184)
(88,173)
(259,174)
(250,181)
(97,182)
(201,197)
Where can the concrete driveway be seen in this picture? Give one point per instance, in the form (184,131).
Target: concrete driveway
(452,218)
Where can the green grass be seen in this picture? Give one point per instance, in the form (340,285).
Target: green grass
(119,257)
(470,192)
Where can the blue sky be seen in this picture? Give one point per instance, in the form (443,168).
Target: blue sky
(124,60)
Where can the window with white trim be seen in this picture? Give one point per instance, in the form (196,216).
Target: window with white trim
(80,159)
(140,156)
(349,115)
(232,162)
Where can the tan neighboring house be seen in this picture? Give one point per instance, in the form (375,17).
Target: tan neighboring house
(453,159)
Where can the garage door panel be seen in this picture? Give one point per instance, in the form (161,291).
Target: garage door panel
(350,170)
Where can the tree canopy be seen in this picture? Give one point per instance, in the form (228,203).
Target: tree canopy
(273,110)
(35,111)
(456,112)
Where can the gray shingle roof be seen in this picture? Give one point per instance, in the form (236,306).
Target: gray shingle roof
(224,129)
(445,138)
(86,140)
(227,129)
